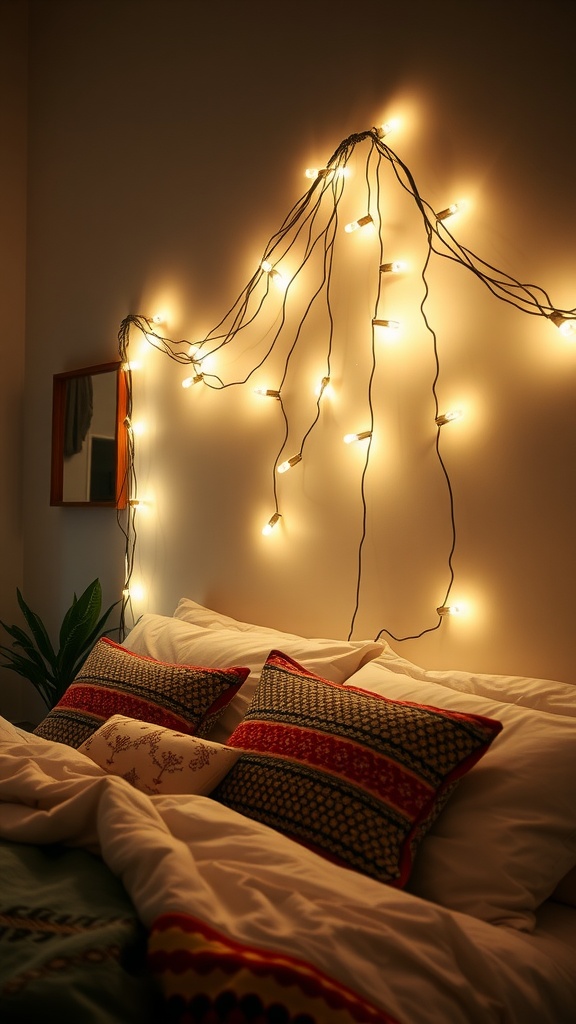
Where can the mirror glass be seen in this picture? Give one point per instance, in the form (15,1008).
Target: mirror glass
(89,437)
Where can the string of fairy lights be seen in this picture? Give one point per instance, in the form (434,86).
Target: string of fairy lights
(308,240)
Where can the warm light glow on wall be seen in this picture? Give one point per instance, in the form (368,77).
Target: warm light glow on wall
(309,240)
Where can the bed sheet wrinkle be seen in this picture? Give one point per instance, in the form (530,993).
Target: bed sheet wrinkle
(192,855)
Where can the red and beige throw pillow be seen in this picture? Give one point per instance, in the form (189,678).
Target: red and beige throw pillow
(114,680)
(353,775)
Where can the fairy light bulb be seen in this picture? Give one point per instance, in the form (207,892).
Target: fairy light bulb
(451,210)
(565,324)
(321,387)
(136,429)
(189,381)
(386,128)
(289,463)
(393,325)
(267,392)
(396,267)
(350,438)
(272,522)
(449,417)
(449,609)
(273,274)
(136,591)
(362,222)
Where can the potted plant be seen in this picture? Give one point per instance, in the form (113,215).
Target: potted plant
(33,656)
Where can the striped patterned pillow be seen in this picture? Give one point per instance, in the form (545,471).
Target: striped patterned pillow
(353,775)
(116,681)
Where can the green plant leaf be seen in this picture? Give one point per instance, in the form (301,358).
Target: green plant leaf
(77,631)
(34,657)
(97,632)
(83,612)
(38,631)
(23,643)
(33,670)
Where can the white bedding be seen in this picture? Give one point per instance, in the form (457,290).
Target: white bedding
(417,961)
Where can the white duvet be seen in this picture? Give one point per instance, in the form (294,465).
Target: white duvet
(419,962)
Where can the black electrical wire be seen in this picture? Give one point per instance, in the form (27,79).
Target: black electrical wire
(301,228)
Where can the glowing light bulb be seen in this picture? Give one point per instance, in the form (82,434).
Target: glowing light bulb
(393,325)
(449,417)
(158,318)
(386,128)
(267,392)
(137,429)
(451,210)
(266,530)
(137,591)
(321,387)
(565,324)
(349,438)
(314,172)
(189,381)
(362,222)
(396,267)
(450,609)
(289,463)
(273,274)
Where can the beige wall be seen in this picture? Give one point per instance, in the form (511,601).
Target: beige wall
(13,98)
(167,143)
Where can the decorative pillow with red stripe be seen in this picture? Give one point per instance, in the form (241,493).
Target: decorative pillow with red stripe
(116,681)
(351,774)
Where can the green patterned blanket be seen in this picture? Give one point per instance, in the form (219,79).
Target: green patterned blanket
(71,947)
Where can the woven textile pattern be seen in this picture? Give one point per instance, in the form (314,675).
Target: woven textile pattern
(114,680)
(353,775)
(206,977)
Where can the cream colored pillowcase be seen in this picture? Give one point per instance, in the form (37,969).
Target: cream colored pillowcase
(158,760)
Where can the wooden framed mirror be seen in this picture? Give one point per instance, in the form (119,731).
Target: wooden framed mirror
(89,437)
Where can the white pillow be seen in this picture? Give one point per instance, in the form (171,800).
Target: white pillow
(508,834)
(527,691)
(158,760)
(175,640)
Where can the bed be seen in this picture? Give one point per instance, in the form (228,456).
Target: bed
(225,822)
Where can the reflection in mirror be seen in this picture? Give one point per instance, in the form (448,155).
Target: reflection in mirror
(89,437)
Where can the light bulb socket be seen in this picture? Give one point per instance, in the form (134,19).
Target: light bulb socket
(448,417)
(392,324)
(267,393)
(289,463)
(272,522)
(448,609)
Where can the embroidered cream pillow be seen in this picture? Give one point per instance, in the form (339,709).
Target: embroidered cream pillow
(158,760)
